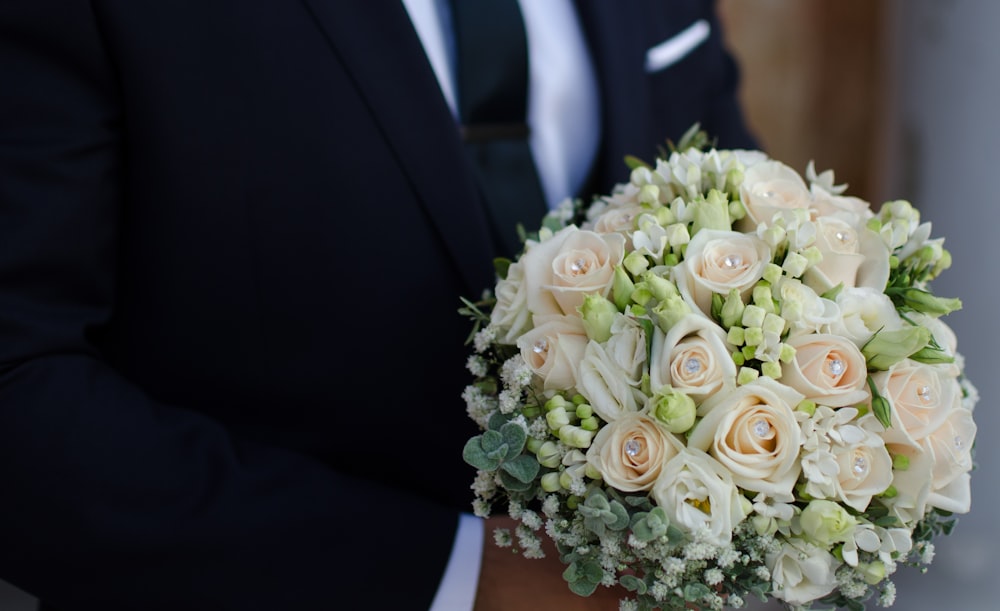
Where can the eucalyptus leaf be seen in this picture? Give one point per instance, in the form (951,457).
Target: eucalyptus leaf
(475,455)
(523,468)
(696,591)
(633,584)
(514,436)
(513,484)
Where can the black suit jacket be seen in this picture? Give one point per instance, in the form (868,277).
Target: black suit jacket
(233,237)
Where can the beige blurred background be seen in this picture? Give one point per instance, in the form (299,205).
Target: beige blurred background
(900,98)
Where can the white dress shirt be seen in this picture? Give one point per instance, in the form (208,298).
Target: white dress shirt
(564,117)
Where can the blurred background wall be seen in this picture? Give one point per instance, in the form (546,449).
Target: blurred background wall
(900,98)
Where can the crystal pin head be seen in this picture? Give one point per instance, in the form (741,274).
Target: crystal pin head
(633,447)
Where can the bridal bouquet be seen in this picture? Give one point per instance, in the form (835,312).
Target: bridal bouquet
(723,380)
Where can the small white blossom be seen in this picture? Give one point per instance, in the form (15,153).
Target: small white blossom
(477,366)
(888,596)
(484,338)
(714,577)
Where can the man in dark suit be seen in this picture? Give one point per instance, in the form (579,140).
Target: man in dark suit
(233,237)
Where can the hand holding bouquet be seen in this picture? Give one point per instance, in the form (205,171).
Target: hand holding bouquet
(723,380)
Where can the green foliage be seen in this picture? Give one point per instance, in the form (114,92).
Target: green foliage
(583,576)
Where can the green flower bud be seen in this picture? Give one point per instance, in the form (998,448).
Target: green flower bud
(753,336)
(746,375)
(557,418)
(673,409)
(887,348)
(753,316)
(590,424)
(807,406)
(795,264)
(636,263)
(575,436)
(787,354)
(736,336)
(872,572)
(548,455)
(550,482)
(649,194)
(665,216)
(622,288)
(533,444)
(813,255)
(732,309)
(738,358)
(762,297)
(598,314)
(923,301)
(772,273)
(590,471)
(660,287)
(826,522)
(712,213)
(669,311)
(771,370)
(584,410)
(763,525)
(556,401)
(773,324)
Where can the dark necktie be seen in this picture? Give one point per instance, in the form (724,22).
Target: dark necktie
(492,77)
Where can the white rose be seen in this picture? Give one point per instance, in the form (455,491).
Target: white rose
(802,572)
(850,209)
(606,384)
(618,219)
(865,467)
(510,314)
(921,397)
(716,261)
(951,444)
(630,452)
(695,490)
(553,348)
(850,256)
(863,312)
(560,271)
(827,369)
(753,432)
(692,357)
(768,188)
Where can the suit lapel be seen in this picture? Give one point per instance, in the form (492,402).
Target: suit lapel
(379,47)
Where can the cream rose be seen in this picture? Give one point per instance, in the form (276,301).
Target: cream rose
(768,188)
(560,271)
(851,257)
(553,348)
(951,445)
(692,357)
(630,452)
(510,314)
(606,384)
(753,432)
(802,572)
(715,262)
(695,490)
(827,369)
(921,397)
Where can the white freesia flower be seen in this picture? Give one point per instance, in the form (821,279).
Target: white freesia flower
(697,492)
(692,357)
(717,261)
(753,432)
(803,309)
(802,572)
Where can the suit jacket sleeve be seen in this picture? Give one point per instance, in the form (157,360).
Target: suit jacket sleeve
(114,500)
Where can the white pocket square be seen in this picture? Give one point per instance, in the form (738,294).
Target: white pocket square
(673,49)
